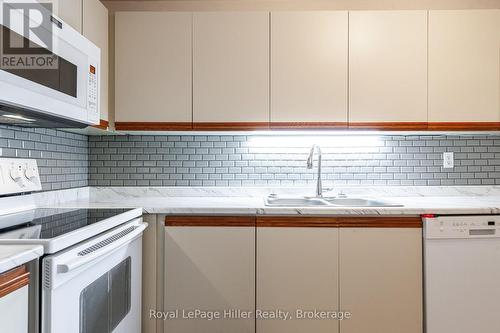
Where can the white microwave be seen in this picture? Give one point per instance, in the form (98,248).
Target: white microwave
(49,72)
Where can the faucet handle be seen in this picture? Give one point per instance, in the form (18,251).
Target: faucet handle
(328,189)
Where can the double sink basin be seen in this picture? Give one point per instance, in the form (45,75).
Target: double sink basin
(275,201)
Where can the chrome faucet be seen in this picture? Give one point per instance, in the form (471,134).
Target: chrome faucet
(319,186)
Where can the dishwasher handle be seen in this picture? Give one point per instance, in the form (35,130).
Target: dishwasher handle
(110,247)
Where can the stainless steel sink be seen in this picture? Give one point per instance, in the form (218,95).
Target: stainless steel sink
(359,202)
(275,201)
(294,202)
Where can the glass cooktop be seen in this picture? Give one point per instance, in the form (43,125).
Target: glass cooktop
(47,223)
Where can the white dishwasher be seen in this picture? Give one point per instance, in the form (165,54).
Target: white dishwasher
(462,274)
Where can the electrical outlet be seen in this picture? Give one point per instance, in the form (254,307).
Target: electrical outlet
(448,160)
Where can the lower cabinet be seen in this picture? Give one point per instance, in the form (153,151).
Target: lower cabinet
(14,295)
(381,279)
(293,274)
(297,273)
(209,269)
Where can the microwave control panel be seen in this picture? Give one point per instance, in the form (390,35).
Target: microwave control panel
(19,175)
(93,92)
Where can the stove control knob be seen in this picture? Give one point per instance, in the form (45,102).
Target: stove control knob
(15,173)
(30,173)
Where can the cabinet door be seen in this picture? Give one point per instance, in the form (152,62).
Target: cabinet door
(95,28)
(309,67)
(231,67)
(381,279)
(297,270)
(153,67)
(388,66)
(209,269)
(70,11)
(14,311)
(14,300)
(464,66)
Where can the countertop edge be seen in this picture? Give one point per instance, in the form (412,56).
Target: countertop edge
(25,254)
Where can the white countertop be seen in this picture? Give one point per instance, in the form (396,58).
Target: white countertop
(250,201)
(12,256)
(254,205)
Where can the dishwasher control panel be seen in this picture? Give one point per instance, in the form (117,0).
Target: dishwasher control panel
(458,227)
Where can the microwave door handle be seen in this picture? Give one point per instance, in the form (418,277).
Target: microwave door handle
(77,262)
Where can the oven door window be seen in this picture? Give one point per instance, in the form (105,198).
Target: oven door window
(62,76)
(106,301)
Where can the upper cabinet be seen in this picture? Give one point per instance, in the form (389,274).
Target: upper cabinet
(406,70)
(464,60)
(309,68)
(153,69)
(230,68)
(70,11)
(95,28)
(388,66)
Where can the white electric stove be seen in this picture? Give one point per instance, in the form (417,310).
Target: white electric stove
(89,279)
(59,228)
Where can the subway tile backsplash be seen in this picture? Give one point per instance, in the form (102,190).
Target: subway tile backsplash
(68,160)
(227,160)
(62,157)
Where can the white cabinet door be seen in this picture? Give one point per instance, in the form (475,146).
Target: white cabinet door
(153,67)
(464,65)
(388,66)
(381,279)
(297,269)
(231,67)
(95,28)
(70,11)
(14,311)
(309,66)
(209,269)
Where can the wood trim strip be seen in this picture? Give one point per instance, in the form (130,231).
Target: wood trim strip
(308,125)
(231,126)
(103,124)
(153,126)
(464,126)
(340,222)
(297,222)
(13,280)
(380,222)
(250,126)
(428,126)
(210,221)
(390,126)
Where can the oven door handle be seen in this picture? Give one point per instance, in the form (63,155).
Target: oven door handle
(77,262)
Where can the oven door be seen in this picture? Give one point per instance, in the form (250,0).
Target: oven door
(96,285)
(48,69)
